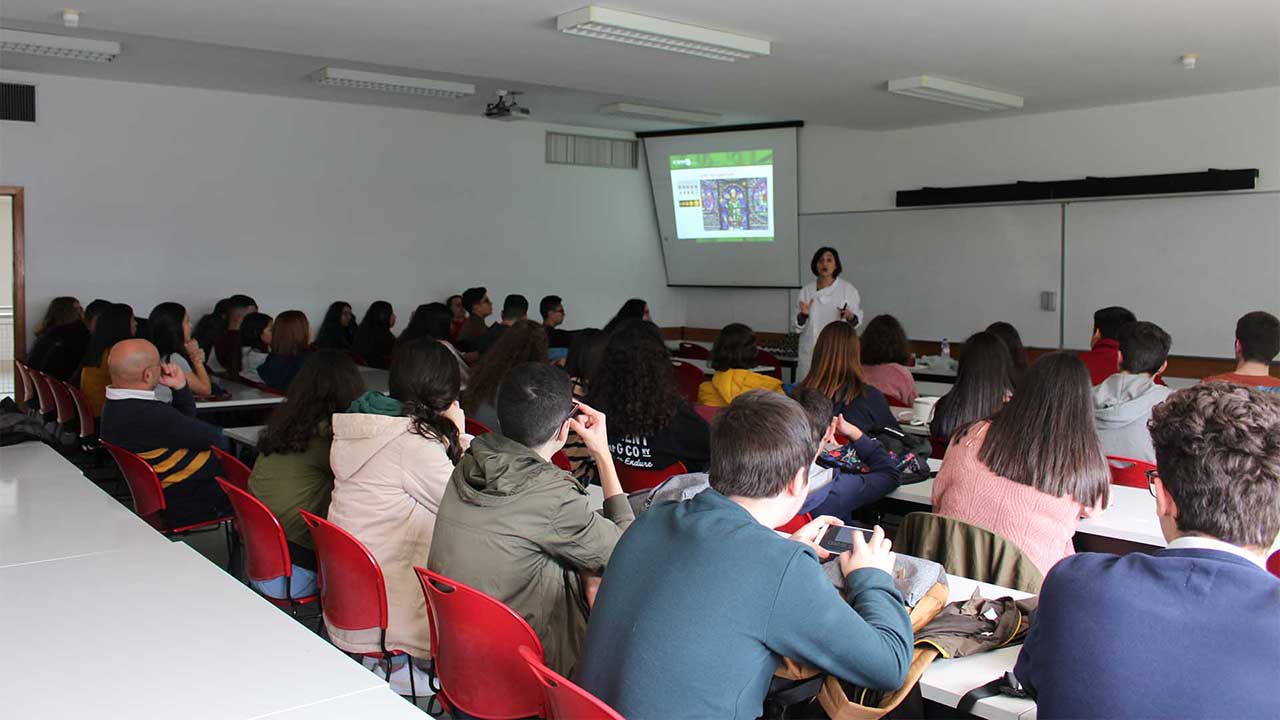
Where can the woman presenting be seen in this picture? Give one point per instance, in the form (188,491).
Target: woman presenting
(823,302)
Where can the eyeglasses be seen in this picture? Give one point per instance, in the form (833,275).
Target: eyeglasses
(573,412)
(1152,477)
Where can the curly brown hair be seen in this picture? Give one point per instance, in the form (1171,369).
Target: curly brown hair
(635,384)
(525,341)
(1218,453)
(884,341)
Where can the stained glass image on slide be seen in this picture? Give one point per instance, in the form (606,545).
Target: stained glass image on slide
(735,204)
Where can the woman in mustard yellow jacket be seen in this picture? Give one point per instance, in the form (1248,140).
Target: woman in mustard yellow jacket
(732,357)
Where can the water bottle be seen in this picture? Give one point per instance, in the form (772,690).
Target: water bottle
(946,349)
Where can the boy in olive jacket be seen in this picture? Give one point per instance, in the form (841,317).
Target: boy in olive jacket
(516,527)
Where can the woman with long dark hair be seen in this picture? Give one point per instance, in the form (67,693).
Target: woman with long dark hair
(1009,335)
(392,458)
(984,382)
(650,425)
(255,345)
(525,341)
(374,340)
(210,328)
(290,347)
(434,321)
(633,309)
(1030,472)
(338,329)
(827,299)
(837,373)
(292,472)
(113,324)
(170,328)
(885,355)
(61,339)
(732,356)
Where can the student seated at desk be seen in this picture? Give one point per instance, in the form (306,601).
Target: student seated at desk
(255,345)
(290,348)
(166,435)
(1012,340)
(432,320)
(112,325)
(226,349)
(651,426)
(1103,356)
(701,598)
(848,490)
(633,309)
(1122,403)
(478,306)
(374,341)
(292,471)
(515,526)
(338,329)
(171,334)
(61,340)
(884,359)
(1191,631)
(515,308)
(836,372)
(732,356)
(984,383)
(524,342)
(1030,472)
(1257,344)
(551,308)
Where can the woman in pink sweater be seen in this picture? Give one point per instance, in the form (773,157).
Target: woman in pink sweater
(884,360)
(1035,468)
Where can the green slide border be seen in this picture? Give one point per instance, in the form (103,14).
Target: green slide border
(740,158)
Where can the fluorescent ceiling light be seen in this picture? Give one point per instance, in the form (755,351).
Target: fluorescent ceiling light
(660,113)
(60,46)
(624,27)
(402,84)
(929,87)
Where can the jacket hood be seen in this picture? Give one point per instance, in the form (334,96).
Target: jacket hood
(495,469)
(357,437)
(1125,399)
(732,383)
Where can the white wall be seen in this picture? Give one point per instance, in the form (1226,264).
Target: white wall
(145,193)
(842,169)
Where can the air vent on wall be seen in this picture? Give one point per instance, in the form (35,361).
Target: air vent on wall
(563,149)
(17,102)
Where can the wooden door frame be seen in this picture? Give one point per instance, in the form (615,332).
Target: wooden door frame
(19,280)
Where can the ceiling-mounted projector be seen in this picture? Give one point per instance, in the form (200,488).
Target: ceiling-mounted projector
(506,107)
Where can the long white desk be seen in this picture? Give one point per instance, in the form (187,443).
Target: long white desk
(241,396)
(246,436)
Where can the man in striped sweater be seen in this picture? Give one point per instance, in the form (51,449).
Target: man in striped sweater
(166,435)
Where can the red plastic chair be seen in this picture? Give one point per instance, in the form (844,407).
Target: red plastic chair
(938,447)
(148,495)
(690,351)
(688,379)
(561,460)
(706,412)
(265,547)
(29,396)
(1273,563)
(474,646)
(475,427)
(235,472)
(62,401)
(1129,472)
(634,479)
(44,391)
(795,523)
(353,593)
(764,357)
(84,414)
(562,699)
(895,401)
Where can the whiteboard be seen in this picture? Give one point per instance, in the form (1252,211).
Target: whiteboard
(1192,265)
(949,272)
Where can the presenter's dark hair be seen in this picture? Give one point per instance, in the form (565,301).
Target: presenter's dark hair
(813,264)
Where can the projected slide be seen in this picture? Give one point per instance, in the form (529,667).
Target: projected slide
(723,197)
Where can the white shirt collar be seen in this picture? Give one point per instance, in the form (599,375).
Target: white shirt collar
(115,393)
(1195,542)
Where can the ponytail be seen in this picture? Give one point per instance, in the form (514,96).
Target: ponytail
(431,424)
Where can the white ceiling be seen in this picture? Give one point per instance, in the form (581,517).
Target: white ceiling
(830,61)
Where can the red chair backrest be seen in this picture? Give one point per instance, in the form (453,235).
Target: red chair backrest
(938,447)
(634,479)
(62,400)
(28,385)
(475,427)
(895,401)
(706,412)
(235,472)
(265,548)
(144,485)
(688,379)
(1129,472)
(691,352)
(795,523)
(474,643)
(1273,563)
(563,699)
(352,590)
(44,391)
(561,460)
(764,357)
(85,413)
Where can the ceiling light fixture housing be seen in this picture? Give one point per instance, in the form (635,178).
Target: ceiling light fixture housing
(650,112)
(399,84)
(952,92)
(651,32)
(58,46)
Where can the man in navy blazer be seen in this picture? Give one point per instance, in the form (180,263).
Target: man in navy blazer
(1192,631)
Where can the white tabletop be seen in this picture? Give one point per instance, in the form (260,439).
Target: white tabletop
(241,396)
(146,633)
(379,703)
(34,459)
(705,366)
(375,379)
(928,388)
(946,681)
(247,435)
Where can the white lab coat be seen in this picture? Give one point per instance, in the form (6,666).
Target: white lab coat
(825,310)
